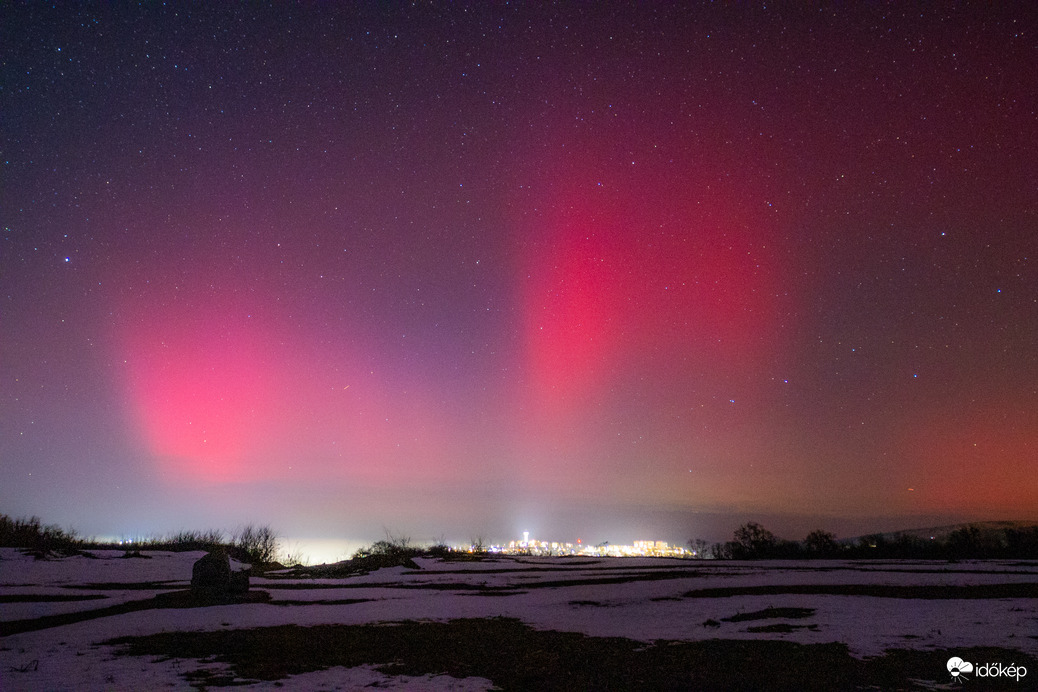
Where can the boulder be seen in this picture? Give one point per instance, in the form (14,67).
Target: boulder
(212,571)
(239,582)
(212,576)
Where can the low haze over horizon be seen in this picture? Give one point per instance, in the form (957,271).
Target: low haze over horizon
(583,270)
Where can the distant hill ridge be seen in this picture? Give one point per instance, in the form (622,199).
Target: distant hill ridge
(941,533)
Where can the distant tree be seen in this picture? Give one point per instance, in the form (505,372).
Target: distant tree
(1022,543)
(963,542)
(873,545)
(787,550)
(699,548)
(753,541)
(821,543)
(722,551)
(974,542)
(906,545)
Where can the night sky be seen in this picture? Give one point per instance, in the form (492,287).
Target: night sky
(591,270)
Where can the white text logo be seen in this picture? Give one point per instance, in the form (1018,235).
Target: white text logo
(958,668)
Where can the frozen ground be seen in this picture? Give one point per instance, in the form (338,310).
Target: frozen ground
(870,606)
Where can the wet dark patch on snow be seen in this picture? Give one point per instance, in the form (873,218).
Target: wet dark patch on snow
(514,655)
(769,613)
(175,599)
(935,591)
(49,598)
(780,628)
(329,602)
(129,586)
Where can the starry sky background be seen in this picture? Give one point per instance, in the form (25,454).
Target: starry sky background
(610,272)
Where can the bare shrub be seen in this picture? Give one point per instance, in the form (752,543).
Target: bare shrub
(33,533)
(189,540)
(259,544)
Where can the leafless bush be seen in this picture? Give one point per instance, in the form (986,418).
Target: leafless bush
(259,544)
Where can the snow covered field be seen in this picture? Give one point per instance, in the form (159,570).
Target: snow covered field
(870,606)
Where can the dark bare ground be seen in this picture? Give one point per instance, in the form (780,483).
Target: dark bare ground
(49,598)
(769,613)
(515,656)
(333,601)
(173,599)
(780,627)
(184,599)
(946,591)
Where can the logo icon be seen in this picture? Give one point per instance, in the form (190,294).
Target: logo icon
(957,667)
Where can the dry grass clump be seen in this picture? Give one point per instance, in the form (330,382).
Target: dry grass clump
(33,534)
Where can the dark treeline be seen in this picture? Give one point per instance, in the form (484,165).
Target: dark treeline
(752,541)
(250,543)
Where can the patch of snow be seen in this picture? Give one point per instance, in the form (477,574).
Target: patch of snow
(547,593)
